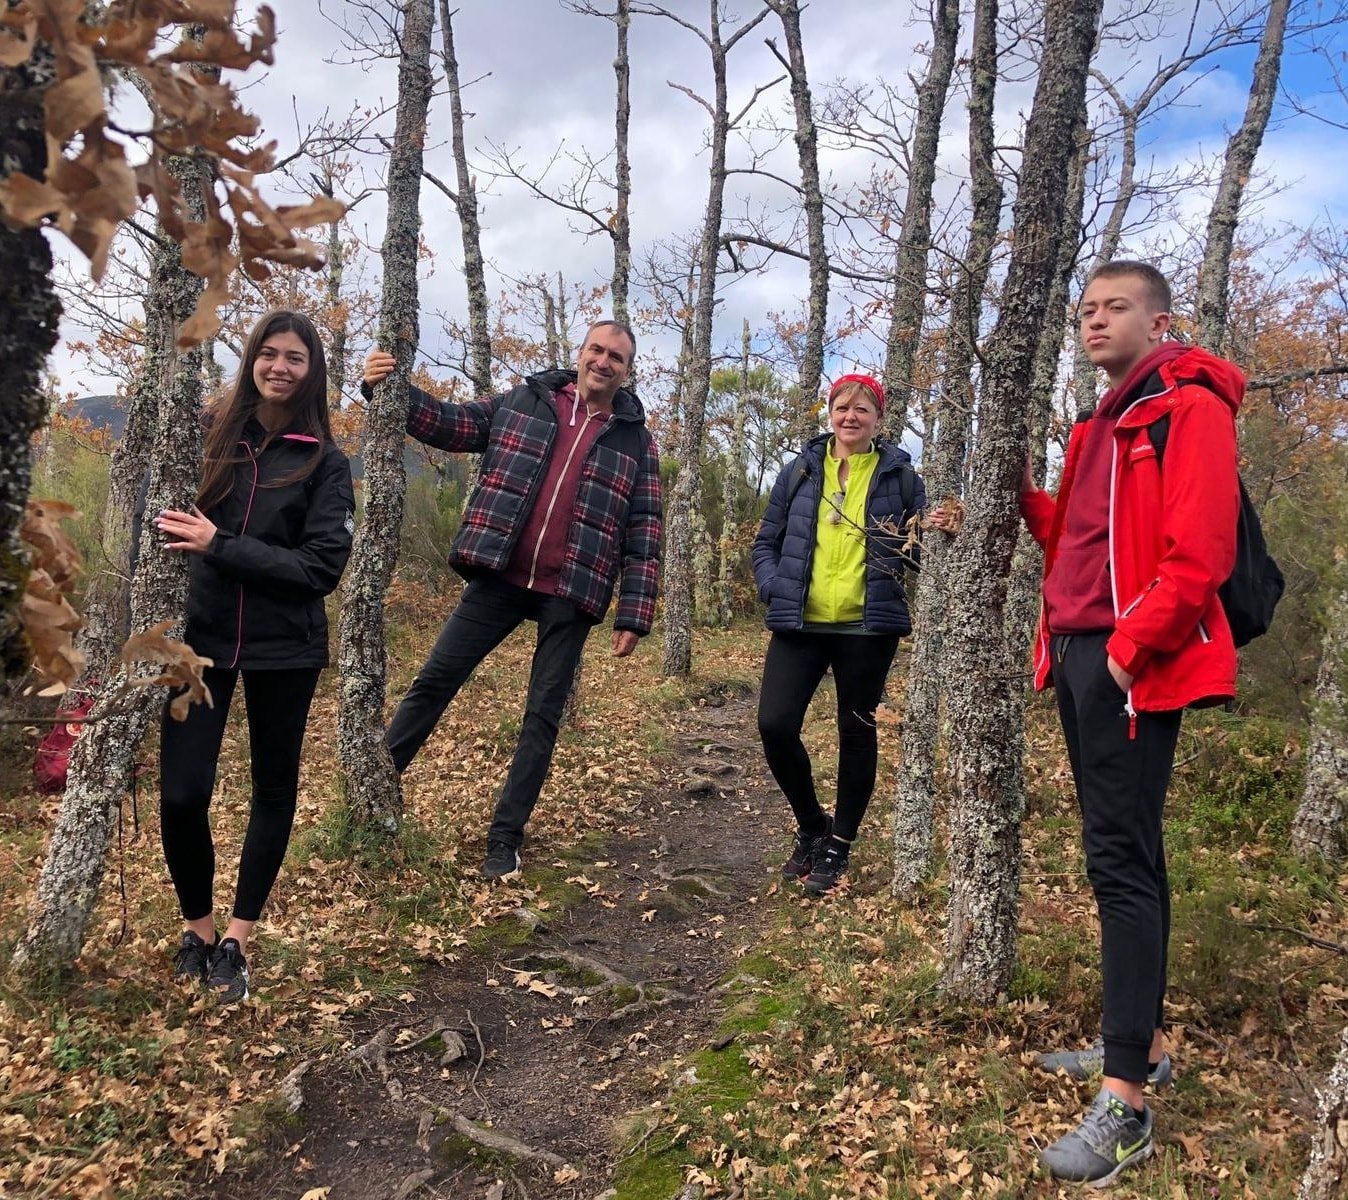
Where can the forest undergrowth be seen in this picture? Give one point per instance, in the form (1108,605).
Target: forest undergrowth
(850,1073)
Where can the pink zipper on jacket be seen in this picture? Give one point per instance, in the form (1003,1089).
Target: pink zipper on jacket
(247,512)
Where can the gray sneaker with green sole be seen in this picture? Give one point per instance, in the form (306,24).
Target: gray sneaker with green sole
(1090,1064)
(1109,1139)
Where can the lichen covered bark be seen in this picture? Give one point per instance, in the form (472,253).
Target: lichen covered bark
(686,495)
(29,313)
(1320,829)
(1326,1175)
(985,762)
(909,297)
(474,270)
(622,203)
(1215,273)
(163,438)
(372,789)
(812,202)
(943,472)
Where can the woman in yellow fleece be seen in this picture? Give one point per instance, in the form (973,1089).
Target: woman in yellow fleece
(828,560)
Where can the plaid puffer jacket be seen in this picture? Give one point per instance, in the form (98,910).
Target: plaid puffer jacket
(614,536)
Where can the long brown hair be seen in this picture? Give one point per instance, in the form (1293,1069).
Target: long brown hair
(229,414)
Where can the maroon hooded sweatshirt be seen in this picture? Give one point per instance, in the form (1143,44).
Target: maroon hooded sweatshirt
(536,562)
(1077,593)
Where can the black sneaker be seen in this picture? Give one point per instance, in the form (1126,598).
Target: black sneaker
(827,866)
(228,976)
(798,865)
(193,958)
(502,861)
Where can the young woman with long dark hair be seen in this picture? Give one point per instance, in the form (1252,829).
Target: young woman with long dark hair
(269,537)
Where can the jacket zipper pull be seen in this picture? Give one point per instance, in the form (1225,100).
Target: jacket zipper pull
(1132,716)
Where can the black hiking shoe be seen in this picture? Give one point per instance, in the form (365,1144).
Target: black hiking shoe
(193,958)
(228,976)
(502,861)
(827,866)
(798,865)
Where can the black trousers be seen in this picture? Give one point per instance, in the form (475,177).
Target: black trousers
(1122,770)
(277,703)
(792,671)
(489,611)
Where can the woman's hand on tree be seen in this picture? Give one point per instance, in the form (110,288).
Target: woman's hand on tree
(190,531)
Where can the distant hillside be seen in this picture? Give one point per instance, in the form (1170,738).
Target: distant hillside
(102,412)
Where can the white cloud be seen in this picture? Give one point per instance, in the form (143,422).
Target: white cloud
(544,74)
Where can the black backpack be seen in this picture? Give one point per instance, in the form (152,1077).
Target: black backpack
(1256,582)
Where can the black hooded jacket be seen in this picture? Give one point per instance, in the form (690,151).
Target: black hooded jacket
(255,598)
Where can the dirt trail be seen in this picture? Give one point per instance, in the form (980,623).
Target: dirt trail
(643,955)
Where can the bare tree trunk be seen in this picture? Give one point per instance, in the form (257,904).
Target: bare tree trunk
(29,312)
(167,407)
(812,199)
(1027,569)
(372,788)
(685,354)
(1326,1175)
(687,490)
(908,302)
(704,571)
(474,271)
(564,348)
(622,220)
(337,359)
(552,340)
(1320,829)
(943,472)
(1215,272)
(985,761)
(730,487)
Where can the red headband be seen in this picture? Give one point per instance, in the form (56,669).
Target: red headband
(870,383)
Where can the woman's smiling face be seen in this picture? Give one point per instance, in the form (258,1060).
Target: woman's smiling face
(854,417)
(280,367)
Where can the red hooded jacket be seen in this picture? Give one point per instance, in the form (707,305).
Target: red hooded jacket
(1172,536)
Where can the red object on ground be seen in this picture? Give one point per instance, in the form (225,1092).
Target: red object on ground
(53,753)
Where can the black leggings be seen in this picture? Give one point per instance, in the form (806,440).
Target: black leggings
(277,703)
(792,672)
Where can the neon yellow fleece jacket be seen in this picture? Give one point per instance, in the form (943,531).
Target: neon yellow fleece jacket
(837,591)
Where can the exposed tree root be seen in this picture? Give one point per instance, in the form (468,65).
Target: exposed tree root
(292,1089)
(696,875)
(374,1054)
(649,993)
(414,1183)
(503,1143)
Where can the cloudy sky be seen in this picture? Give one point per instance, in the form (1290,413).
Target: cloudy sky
(543,79)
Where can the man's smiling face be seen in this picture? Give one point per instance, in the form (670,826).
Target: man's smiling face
(603,364)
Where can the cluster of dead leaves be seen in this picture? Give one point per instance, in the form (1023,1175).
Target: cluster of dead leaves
(90,187)
(49,622)
(182,667)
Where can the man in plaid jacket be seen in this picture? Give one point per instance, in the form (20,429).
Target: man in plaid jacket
(566,509)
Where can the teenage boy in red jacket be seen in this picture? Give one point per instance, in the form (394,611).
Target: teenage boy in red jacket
(1132,632)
